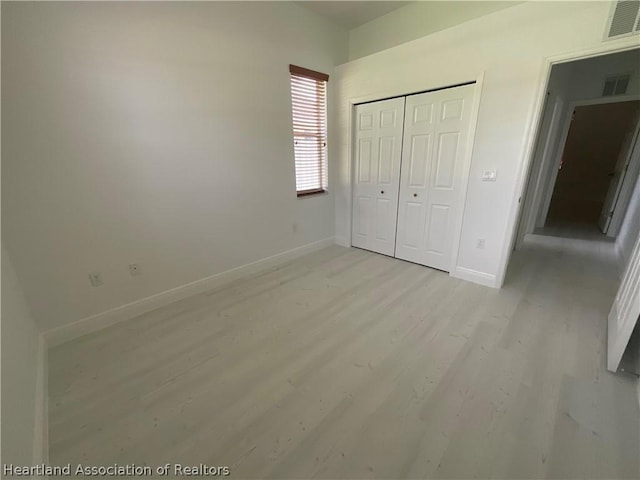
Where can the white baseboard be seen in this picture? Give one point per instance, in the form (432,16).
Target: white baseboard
(481,278)
(131,310)
(41,415)
(342,241)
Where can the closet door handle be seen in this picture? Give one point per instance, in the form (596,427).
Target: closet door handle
(382,192)
(415,194)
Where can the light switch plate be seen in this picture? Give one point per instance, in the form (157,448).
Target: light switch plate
(489,176)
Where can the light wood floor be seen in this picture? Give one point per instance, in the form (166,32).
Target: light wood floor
(348,364)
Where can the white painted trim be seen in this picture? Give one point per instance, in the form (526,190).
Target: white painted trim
(605,100)
(466,171)
(529,194)
(481,278)
(612,46)
(41,415)
(131,310)
(619,259)
(350,174)
(524,166)
(638,392)
(628,184)
(530,201)
(550,148)
(540,217)
(625,311)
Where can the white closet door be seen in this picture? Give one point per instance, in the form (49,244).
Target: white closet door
(625,312)
(377,153)
(436,132)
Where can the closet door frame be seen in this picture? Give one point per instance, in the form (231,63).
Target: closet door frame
(466,167)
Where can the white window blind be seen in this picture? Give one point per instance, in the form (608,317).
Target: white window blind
(309,111)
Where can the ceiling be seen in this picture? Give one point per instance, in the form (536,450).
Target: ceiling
(352,14)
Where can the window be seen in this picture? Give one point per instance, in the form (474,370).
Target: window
(309,111)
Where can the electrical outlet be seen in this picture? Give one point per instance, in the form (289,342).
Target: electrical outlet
(134,269)
(294,227)
(480,244)
(96,279)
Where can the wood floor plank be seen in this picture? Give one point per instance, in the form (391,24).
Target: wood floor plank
(348,364)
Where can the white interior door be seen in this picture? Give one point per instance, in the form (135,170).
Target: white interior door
(617,177)
(436,134)
(625,311)
(377,154)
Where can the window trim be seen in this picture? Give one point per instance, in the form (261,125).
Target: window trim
(308,193)
(305,72)
(295,70)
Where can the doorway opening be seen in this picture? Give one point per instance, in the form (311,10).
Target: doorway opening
(586,160)
(582,200)
(593,164)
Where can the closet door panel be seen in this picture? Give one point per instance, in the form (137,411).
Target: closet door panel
(413,220)
(385,225)
(377,155)
(446,161)
(364,157)
(414,177)
(444,117)
(362,214)
(418,155)
(386,165)
(438,222)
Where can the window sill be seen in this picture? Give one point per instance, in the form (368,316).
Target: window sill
(308,193)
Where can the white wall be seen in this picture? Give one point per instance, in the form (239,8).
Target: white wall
(510,47)
(414,21)
(151,133)
(21,352)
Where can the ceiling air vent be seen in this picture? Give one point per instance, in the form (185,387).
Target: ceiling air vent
(624,18)
(615,85)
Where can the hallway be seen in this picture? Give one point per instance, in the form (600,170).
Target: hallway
(599,135)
